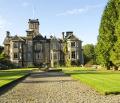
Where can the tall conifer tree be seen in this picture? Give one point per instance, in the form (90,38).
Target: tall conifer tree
(107,33)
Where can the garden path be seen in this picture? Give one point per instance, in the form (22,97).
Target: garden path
(54,87)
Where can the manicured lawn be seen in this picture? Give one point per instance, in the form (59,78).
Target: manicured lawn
(7,76)
(106,82)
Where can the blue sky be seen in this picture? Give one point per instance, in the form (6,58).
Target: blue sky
(55,16)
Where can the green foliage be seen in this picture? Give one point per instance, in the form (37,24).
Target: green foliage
(65,50)
(108,40)
(5,61)
(115,53)
(89,53)
(3,56)
(1,49)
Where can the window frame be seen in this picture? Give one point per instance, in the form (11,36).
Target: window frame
(73,55)
(73,45)
(15,55)
(15,45)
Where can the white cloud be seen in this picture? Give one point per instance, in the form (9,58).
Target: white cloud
(79,10)
(25,4)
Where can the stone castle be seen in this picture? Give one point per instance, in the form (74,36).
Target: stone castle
(34,49)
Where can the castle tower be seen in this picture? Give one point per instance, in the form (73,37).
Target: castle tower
(34,26)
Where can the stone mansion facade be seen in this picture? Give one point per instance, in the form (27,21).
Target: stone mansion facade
(36,49)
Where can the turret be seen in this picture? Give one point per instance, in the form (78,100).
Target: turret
(34,25)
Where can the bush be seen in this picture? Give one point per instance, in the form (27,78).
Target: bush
(8,64)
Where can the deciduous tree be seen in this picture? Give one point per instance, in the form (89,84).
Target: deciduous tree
(89,53)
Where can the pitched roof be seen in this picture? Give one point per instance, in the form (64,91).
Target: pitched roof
(17,38)
(71,37)
(39,37)
(53,37)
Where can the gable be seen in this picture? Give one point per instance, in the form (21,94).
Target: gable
(17,38)
(72,37)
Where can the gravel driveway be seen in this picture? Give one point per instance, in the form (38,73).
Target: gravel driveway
(54,87)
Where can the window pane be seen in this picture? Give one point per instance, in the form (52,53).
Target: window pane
(15,45)
(38,47)
(72,44)
(55,56)
(15,55)
(73,54)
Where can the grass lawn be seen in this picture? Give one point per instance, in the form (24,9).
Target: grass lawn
(106,82)
(7,76)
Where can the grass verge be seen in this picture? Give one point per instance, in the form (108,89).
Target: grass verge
(105,82)
(7,76)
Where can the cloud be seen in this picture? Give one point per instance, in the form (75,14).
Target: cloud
(79,10)
(25,4)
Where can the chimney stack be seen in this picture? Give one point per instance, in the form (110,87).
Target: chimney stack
(63,35)
(7,33)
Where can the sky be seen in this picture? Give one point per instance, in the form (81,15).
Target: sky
(55,16)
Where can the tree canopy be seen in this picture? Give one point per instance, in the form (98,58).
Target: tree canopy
(1,49)
(108,45)
(89,53)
